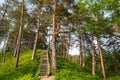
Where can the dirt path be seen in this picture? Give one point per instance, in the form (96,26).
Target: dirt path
(48,78)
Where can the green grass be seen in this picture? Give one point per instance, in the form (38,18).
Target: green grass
(71,71)
(114,78)
(27,70)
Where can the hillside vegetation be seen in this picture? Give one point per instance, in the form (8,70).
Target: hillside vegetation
(29,70)
(68,70)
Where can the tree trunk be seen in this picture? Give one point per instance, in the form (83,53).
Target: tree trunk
(80,49)
(37,34)
(93,56)
(19,36)
(64,47)
(54,63)
(83,52)
(15,43)
(6,45)
(101,58)
(69,46)
(49,55)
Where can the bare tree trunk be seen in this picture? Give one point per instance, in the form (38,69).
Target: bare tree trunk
(19,36)
(83,52)
(6,45)
(80,49)
(66,56)
(49,46)
(54,63)
(37,34)
(93,56)
(101,58)
(68,46)
(15,51)
(64,47)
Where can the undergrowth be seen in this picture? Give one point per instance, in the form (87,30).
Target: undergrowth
(71,71)
(27,69)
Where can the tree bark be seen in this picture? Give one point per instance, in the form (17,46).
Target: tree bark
(37,34)
(19,36)
(69,46)
(6,45)
(101,58)
(15,51)
(93,56)
(54,62)
(80,49)
(83,52)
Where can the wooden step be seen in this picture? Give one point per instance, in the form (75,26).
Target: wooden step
(44,64)
(44,57)
(44,53)
(43,74)
(43,67)
(44,61)
(43,70)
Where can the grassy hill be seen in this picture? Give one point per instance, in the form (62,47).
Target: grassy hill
(28,70)
(71,71)
(68,70)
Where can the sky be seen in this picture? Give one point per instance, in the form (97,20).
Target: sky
(1,45)
(74,50)
(1,1)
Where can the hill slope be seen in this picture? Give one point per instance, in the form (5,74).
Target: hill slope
(28,70)
(71,71)
(68,70)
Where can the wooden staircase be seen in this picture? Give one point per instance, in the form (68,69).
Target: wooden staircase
(45,65)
